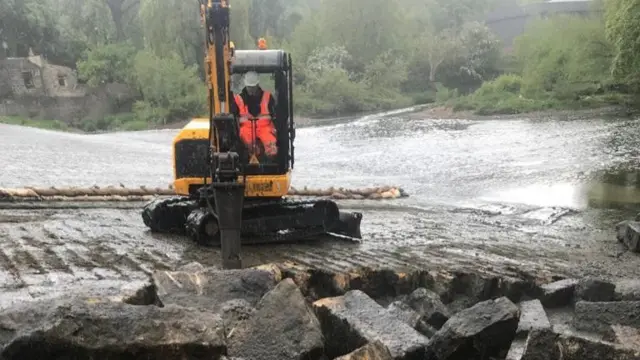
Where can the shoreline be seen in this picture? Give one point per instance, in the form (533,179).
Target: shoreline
(441,112)
(417,112)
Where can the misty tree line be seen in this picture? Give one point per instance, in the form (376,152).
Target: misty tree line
(349,55)
(568,61)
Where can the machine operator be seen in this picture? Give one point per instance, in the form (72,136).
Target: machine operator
(258,105)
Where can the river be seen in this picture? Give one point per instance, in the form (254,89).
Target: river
(540,194)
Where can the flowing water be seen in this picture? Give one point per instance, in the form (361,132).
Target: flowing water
(502,194)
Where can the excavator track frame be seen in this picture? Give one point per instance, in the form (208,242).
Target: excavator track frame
(263,221)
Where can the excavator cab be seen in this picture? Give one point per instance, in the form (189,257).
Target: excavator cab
(274,68)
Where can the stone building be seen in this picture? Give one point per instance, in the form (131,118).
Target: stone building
(32,87)
(34,76)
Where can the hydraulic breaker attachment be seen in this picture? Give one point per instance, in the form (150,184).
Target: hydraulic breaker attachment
(228,193)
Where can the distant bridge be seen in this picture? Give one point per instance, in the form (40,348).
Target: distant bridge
(509,21)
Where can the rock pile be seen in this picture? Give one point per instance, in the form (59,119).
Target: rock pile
(286,311)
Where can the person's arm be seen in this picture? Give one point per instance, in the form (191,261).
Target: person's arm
(272,107)
(233,107)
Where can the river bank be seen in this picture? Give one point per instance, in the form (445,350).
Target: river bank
(440,111)
(418,112)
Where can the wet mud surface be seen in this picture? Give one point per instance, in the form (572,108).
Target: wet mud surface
(503,197)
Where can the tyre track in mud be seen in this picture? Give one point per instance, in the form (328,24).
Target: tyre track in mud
(44,253)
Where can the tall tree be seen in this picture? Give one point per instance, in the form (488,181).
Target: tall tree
(623,30)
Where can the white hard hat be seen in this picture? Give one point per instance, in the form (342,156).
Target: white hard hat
(251,78)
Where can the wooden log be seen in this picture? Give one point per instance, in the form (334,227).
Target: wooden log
(121,193)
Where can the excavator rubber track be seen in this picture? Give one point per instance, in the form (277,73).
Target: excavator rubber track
(264,222)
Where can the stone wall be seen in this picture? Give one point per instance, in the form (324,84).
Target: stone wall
(71,110)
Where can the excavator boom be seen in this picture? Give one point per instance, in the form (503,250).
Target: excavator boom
(227,192)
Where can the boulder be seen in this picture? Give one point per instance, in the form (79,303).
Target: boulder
(354,319)
(558,293)
(410,317)
(485,328)
(235,312)
(404,312)
(429,306)
(624,335)
(210,288)
(134,292)
(598,316)
(78,329)
(372,351)
(532,317)
(629,233)
(544,344)
(282,327)
(627,289)
(593,289)
(621,229)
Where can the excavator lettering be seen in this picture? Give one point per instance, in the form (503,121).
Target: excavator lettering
(227,193)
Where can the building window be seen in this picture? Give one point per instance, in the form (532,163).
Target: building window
(62,80)
(27,77)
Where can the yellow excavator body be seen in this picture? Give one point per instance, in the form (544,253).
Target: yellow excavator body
(268,186)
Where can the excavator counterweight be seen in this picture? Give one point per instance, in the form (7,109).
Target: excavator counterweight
(231,194)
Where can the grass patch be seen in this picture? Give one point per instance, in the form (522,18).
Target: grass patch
(117,122)
(37,123)
(505,96)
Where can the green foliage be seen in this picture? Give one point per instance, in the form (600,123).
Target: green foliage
(572,70)
(348,55)
(112,63)
(581,56)
(623,30)
(170,90)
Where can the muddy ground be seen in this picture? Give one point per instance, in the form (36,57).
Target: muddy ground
(501,196)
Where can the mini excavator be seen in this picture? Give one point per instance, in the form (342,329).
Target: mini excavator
(225,193)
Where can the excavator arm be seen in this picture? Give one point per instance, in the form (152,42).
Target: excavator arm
(224,157)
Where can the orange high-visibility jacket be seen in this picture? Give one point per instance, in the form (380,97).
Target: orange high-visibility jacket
(243,109)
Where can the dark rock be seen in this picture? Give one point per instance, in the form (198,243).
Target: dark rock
(627,289)
(372,351)
(110,330)
(234,312)
(558,294)
(410,317)
(485,328)
(547,345)
(282,327)
(624,335)
(404,312)
(210,288)
(532,317)
(354,319)
(592,289)
(629,234)
(429,306)
(621,229)
(598,316)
